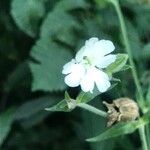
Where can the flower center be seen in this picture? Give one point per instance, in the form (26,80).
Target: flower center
(87,60)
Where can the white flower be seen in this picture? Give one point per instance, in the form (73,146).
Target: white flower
(86,69)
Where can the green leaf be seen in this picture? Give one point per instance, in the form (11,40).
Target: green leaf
(21,73)
(125,67)
(61,106)
(148,94)
(146,52)
(6,120)
(64,104)
(102,3)
(134,40)
(86,97)
(27,14)
(67,5)
(121,129)
(35,106)
(34,119)
(68,105)
(47,75)
(142,18)
(67,36)
(118,64)
(54,24)
(67,96)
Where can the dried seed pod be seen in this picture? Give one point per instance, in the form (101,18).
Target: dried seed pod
(122,109)
(112,114)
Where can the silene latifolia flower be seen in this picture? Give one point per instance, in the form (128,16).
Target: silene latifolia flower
(86,69)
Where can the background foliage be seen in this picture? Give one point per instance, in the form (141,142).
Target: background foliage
(37,37)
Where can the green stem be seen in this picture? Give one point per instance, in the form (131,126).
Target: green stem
(140,98)
(92,109)
(148,136)
(143,138)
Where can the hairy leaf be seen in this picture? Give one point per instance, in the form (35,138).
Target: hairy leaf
(86,97)
(61,106)
(121,129)
(118,64)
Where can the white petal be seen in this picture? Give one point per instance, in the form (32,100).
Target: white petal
(67,68)
(91,41)
(105,61)
(103,85)
(87,83)
(74,78)
(94,50)
(80,54)
(87,49)
(101,79)
(103,47)
(96,74)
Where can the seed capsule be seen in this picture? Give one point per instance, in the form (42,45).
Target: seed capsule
(122,109)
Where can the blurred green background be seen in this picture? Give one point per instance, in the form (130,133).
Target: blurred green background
(37,37)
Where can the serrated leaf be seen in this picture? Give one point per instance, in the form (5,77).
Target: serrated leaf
(27,14)
(121,129)
(54,24)
(47,75)
(118,64)
(61,106)
(67,35)
(6,120)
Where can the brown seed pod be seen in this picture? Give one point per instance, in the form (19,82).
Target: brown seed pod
(122,109)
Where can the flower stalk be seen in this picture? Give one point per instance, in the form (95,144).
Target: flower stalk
(140,98)
(92,109)
(143,137)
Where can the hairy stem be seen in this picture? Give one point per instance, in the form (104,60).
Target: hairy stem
(140,98)
(92,109)
(143,138)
